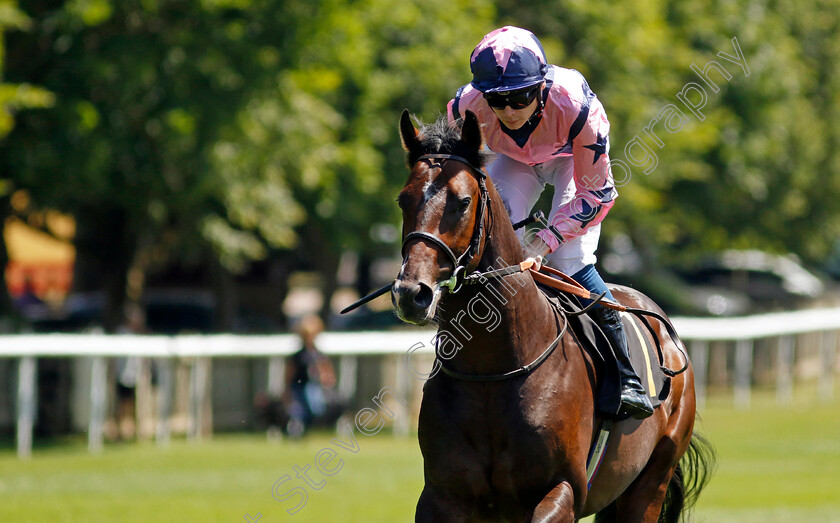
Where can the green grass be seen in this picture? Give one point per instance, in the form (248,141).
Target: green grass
(774,465)
(219,480)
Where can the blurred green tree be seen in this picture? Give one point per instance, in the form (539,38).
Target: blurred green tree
(143,90)
(329,123)
(226,129)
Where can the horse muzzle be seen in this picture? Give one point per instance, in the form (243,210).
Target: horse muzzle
(415,302)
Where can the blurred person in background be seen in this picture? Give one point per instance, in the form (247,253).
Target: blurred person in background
(127,373)
(547,126)
(310,379)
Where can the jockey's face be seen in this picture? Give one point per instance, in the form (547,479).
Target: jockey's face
(515,118)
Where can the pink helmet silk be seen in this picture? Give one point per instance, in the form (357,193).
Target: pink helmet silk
(507,59)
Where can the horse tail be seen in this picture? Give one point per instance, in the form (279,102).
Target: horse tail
(690,477)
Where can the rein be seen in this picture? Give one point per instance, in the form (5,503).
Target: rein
(521,371)
(565,283)
(554,279)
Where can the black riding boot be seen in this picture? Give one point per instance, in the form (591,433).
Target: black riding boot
(634,398)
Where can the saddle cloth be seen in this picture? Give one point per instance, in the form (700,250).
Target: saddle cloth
(645,356)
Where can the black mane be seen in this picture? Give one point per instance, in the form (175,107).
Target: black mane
(445,137)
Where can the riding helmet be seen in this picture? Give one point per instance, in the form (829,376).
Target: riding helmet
(508,59)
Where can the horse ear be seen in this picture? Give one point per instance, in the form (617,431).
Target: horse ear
(407,131)
(471,130)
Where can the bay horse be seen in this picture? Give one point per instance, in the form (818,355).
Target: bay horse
(514,447)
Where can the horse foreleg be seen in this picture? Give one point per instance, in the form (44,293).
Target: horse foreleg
(556,507)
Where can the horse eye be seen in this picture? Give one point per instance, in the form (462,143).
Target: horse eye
(464,203)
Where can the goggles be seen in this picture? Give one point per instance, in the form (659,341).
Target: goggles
(515,99)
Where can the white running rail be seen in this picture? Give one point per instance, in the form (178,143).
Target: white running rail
(697,333)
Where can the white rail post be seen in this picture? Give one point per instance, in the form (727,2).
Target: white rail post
(192,409)
(402,419)
(164,400)
(785,356)
(276,376)
(743,372)
(199,397)
(347,377)
(27,370)
(828,351)
(98,398)
(700,364)
(144,427)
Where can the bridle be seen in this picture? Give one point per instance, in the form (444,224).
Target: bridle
(459,263)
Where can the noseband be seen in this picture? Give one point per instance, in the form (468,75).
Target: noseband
(459,263)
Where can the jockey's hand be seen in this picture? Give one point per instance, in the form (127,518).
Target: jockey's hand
(536,262)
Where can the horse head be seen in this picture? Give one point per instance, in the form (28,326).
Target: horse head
(444,207)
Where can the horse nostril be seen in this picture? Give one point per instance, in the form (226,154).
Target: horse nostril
(423,296)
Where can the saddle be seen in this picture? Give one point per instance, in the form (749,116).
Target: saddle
(647,358)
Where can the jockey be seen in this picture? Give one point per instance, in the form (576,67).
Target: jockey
(546,126)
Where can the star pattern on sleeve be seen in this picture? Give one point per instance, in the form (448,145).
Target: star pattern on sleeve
(599,147)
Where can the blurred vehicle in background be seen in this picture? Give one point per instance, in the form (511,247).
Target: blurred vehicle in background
(728,283)
(832,264)
(768,281)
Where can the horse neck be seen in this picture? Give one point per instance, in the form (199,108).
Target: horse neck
(501,322)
